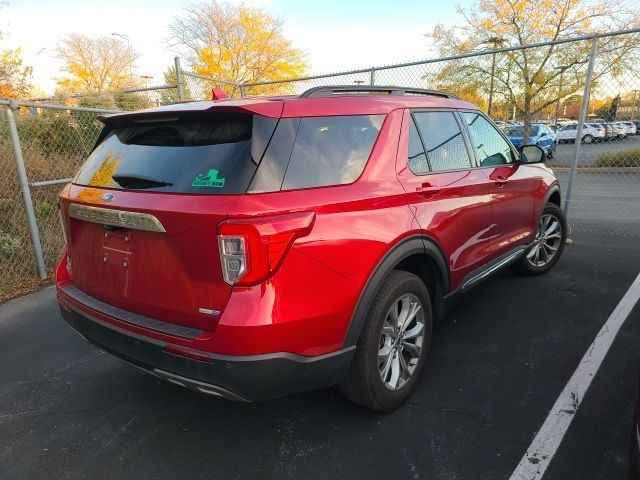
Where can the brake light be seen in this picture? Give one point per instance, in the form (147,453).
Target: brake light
(252,249)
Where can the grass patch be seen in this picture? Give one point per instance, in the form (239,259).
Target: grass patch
(623,158)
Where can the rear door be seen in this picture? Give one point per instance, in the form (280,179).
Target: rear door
(143,212)
(511,185)
(449,196)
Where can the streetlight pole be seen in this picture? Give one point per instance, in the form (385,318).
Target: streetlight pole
(495,41)
(562,68)
(126,37)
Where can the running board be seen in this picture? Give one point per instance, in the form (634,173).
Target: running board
(493,268)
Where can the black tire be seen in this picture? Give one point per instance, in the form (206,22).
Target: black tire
(364,384)
(528,266)
(587,139)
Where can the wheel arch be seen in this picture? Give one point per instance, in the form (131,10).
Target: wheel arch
(418,254)
(553,196)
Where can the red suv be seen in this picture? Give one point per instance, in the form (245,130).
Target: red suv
(257,247)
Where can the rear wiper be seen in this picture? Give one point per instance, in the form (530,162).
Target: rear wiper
(138,181)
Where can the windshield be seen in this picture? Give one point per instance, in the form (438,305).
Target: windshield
(519,131)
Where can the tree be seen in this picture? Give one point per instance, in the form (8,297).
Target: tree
(15,78)
(533,79)
(171,95)
(96,65)
(610,112)
(240,44)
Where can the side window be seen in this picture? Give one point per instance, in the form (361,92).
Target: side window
(331,150)
(491,148)
(443,140)
(417,160)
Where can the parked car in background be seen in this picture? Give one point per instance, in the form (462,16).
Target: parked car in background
(540,135)
(637,124)
(601,131)
(631,128)
(192,232)
(500,124)
(620,129)
(568,133)
(609,132)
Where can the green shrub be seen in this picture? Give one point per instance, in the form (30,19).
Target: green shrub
(44,209)
(623,158)
(9,245)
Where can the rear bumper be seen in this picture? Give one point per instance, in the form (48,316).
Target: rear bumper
(249,378)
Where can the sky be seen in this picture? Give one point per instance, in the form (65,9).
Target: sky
(335,35)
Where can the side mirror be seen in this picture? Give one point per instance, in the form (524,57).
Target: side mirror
(543,134)
(531,154)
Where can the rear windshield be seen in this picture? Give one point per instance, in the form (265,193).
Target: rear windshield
(217,155)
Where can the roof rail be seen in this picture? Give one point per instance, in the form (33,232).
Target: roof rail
(370,89)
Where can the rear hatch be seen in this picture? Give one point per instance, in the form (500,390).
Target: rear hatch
(143,211)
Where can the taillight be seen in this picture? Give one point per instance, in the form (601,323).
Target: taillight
(64,225)
(252,249)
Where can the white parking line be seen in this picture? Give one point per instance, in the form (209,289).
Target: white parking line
(544,446)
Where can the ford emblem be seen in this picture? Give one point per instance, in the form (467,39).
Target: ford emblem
(107,197)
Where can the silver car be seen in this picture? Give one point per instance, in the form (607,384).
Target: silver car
(631,128)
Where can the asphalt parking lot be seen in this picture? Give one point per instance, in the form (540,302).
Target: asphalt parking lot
(498,362)
(589,153)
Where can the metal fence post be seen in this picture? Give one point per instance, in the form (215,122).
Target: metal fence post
(26,192)
(581,119)
(179,85)
(372,77)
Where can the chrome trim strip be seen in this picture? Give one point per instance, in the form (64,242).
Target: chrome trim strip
(493,268)
(116,218)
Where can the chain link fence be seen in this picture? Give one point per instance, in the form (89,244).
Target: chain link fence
(585,88)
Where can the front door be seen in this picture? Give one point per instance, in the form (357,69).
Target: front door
(450,197)
(511,185)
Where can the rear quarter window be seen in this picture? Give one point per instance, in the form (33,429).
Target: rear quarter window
(331,150)
(317,151)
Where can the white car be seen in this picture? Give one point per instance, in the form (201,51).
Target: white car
(601,132)
(631,128)
(620,129)
(568,133)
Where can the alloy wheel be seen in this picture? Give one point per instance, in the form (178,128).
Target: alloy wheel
(401,341)
(547,242)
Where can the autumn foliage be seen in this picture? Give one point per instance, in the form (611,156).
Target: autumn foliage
(534,79)
(95,65)
(240,44)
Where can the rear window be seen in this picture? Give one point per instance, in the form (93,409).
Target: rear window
(213,155)
(317,151)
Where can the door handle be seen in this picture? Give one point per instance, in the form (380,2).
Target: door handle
(501,181)
(427,190)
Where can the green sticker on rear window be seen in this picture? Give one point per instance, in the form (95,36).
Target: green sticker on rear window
(209,179)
